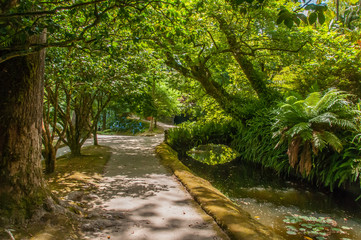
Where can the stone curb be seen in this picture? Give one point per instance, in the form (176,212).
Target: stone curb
(237,223)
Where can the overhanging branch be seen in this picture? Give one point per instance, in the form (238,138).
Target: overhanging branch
(49,12)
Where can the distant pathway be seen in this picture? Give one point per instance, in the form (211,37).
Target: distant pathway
(140,199)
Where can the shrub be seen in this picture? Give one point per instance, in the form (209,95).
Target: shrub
(125,125)
(191,134)
(254,141)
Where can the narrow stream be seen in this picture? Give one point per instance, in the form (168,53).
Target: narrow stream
(292,209)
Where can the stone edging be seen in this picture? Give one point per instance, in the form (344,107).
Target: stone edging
(237,223)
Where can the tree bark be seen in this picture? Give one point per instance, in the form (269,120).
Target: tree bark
(255,77)
(49,152)
(104,120)
(50,159)
(22,187)
(95,134)
(75,148)
(151,125)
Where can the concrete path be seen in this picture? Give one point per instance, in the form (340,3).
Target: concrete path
(143,200)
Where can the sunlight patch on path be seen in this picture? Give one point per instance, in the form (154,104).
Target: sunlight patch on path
(151,202)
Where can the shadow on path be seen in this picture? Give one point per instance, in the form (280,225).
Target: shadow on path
(139,199)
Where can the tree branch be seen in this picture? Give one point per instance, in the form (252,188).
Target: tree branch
(49,12)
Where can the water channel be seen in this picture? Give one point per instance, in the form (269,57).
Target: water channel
(294,210)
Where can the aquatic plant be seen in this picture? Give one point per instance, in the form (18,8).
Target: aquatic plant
(319,228)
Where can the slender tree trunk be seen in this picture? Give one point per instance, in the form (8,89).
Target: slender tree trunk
(50,159)
(151,125)
(95,135)
(104,120)
(337,10)
(22,187)
(75,148)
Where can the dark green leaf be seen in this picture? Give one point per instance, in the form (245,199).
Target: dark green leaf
(288,22)
(302,17)
(312,18)
(321,18)
(280,19)
(310,6)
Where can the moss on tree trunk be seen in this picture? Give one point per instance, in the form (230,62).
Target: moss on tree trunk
(21,89)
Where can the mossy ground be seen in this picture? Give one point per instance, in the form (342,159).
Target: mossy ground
(237,223)
(78,173)
(72,174)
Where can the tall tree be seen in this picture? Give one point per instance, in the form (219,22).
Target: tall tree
(21,87)
(24,27)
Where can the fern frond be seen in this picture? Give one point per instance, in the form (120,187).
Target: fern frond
(325,118)
(313,99)
(344,124)
(298,128)
(332,140)
(318,142)
(291,99)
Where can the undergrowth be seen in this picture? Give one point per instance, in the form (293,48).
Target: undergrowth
(254,140)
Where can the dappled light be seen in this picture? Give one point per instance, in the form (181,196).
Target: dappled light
(260,98)
(150,200)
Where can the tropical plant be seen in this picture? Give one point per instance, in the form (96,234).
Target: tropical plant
(313,124)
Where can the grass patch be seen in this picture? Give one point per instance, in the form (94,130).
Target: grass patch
(79,173)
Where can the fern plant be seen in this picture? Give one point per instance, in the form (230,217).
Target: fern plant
(313,124)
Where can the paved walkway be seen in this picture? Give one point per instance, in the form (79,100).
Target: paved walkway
(140,199)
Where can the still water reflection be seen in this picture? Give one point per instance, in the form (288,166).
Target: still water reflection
(277,202)
(213,154)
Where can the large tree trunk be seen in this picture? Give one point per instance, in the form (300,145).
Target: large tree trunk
(21,89)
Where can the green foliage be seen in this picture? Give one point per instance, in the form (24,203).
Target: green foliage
(255,143)
(334,169)
(192,134)
(316,12)
(313,123)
